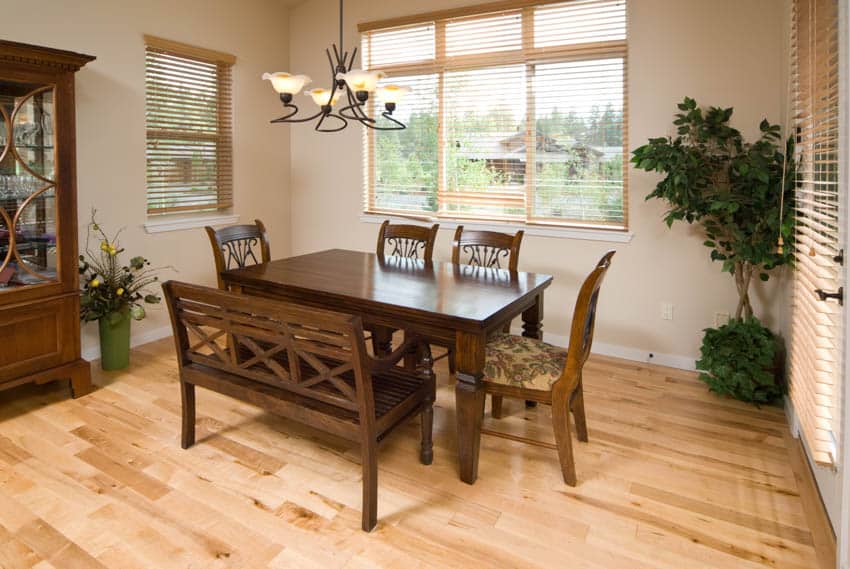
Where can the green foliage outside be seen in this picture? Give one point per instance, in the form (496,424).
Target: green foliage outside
(732,187)
(738,359)
(573,187)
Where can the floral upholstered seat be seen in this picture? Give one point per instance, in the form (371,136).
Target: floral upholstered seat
(523,362)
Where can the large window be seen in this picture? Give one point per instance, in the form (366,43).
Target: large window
(517,115)
(189,132)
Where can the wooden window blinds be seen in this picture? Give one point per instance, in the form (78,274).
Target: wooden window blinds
(517,114)
(188,113)
(816,336)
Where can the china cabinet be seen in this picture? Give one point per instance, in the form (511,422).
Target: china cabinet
(39,285)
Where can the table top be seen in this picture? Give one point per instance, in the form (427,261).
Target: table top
(472,294)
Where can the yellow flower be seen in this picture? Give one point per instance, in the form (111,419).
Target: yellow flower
(104,246)
(112,251)
(119,292)
(94,283)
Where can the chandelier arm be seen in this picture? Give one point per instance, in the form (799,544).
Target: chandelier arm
(332,115)
(288,117)
(331,62)
(359,113)
(353,55)
(386,115)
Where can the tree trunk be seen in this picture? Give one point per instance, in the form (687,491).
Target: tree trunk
(743,275)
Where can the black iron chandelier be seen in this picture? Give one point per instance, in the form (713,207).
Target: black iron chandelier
(355,85)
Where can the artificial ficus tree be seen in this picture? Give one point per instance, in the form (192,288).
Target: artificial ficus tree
(740,192)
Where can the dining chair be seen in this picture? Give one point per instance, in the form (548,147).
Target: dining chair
(407,241)
(487,249)
(410,241)
(237,246)
(530,369)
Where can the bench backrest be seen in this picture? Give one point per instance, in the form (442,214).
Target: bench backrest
(317,354)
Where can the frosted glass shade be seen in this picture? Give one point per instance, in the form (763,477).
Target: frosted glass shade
(393,93)
(320,96)
(283,82)
(359,80)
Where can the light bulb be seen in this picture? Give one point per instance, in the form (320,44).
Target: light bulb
(320,96)
(284,82)
(393,93)
(359,80)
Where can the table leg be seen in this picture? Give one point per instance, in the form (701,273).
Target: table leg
(532,327)
(469,401)
(382,341)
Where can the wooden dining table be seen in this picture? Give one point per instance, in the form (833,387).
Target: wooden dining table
(460,305)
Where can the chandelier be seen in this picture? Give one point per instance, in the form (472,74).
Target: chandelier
(354,86)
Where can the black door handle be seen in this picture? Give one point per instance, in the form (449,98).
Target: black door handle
(839,296)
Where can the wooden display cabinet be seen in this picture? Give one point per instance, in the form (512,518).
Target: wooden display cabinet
(39,283)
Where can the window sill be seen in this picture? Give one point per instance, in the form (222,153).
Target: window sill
(588,234)
(188,222)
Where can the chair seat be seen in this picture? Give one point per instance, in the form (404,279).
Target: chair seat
(523,362)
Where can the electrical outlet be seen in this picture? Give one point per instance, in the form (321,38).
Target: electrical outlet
(720,319)
(666,311)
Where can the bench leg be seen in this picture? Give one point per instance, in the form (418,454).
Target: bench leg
(369,458)
(187,397)
(426,451)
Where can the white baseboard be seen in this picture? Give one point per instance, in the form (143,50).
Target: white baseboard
(93,353)
(627,353)
(601,348)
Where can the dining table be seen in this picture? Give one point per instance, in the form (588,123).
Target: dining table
(460,305)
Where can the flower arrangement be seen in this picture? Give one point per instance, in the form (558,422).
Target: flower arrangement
(110,289)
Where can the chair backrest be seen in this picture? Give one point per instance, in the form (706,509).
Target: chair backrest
(410,241)
(584,318)
(313,353)
(486,248)
(238,246)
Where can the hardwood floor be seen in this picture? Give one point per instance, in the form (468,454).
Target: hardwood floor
(673,477)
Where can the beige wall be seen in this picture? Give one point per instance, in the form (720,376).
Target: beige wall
(110,115)
(723,52)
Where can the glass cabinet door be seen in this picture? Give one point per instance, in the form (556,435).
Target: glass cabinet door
(28,239)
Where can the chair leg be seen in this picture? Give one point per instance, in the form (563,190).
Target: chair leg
(187,397)
(369,458)
(563,440)
(426,450)
(451,358)
(577,406)
(496,406)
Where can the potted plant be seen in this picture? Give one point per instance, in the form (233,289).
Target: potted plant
(113,294)
(741,193)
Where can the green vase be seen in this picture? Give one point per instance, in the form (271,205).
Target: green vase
(115,340)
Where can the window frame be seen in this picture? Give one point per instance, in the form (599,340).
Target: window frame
(526,55)
(170,218)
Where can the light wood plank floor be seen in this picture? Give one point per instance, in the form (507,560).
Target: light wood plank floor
(673,477)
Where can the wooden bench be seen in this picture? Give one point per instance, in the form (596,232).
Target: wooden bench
(306,364)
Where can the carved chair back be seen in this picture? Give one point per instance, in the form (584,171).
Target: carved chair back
(584,320)
(238,246)
(486,249)
(315,354)
(410,241)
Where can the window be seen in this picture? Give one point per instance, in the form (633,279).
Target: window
(516,115)
(816,326)
(189,128)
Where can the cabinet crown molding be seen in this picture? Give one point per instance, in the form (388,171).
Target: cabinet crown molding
(26,54)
